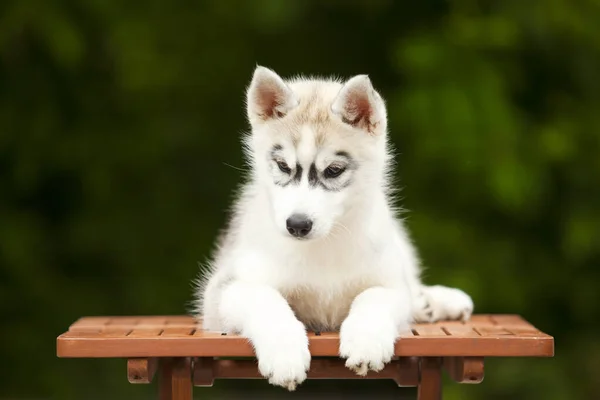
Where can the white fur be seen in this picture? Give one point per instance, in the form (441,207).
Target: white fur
(357,271)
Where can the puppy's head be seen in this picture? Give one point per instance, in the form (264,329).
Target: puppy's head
(318,145)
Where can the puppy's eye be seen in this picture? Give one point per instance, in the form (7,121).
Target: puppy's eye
(333,171)
(284,167)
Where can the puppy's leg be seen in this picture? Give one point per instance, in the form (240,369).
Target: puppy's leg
(208,297)
(261,314)
(435,303)
(376,318)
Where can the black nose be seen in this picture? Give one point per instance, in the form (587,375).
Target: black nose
(298,225)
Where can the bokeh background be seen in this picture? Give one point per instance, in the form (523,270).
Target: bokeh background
(119,154)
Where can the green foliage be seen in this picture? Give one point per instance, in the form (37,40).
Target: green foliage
(118,121)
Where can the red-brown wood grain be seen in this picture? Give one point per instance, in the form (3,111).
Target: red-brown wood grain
(182,336)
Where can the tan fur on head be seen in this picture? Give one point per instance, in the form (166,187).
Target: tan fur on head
(318,102)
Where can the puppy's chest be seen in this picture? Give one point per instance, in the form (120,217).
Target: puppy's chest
(324,308)
(320,286)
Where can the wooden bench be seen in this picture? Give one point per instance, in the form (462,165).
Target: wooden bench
(188,356)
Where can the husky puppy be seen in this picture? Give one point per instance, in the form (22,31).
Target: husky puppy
(314,242)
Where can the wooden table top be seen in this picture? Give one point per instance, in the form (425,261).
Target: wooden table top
(182,336)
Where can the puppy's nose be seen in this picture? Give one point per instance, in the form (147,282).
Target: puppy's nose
(298,225)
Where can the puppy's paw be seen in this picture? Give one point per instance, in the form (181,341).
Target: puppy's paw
(284,359)
(366,345)
(438,303)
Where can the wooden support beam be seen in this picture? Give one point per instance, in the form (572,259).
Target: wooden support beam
(141,370)
(430,385)
(464,369)
(404,371)
(176,379)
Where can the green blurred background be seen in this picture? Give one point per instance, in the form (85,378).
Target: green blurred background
(119,152)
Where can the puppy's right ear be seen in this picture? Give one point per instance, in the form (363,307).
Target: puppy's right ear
(268,97)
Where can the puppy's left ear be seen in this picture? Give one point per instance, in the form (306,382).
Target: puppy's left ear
(359,105)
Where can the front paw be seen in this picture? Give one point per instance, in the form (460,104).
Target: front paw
(439,303)
(366,346)
(284,359)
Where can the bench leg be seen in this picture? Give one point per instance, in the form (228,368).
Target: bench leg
(430,383)
(175,379)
